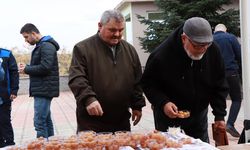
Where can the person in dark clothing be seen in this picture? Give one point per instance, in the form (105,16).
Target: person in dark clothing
(9,85)
(186,72)
(104,77)
(44,77)
(231,53)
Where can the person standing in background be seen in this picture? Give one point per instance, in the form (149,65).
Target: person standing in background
(44,77)
(9,85)
(104,77)
(231,51)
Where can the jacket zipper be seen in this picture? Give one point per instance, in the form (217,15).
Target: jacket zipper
(114,52)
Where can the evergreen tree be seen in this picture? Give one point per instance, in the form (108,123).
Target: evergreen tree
(175,12)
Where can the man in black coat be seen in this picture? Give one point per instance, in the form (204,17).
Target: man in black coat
(186,72)
(44,77)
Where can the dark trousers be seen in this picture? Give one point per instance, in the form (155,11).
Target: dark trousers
(233,80)
(195,126)
(6,130)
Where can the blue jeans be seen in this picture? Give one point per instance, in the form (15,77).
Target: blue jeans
(42,117)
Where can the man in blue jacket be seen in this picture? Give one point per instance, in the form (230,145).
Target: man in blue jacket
(231,53)
(9,85)
(44,77)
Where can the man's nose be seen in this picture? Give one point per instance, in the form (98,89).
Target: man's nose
(117,33)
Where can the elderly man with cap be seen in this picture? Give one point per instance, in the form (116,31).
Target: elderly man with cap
(186,72)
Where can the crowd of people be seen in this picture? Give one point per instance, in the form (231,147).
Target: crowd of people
(189,70)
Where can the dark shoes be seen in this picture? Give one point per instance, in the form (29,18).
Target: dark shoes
(231,129)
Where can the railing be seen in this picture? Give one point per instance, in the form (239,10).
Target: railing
(24,85)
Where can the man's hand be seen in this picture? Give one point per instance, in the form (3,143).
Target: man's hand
(219,125)
(136,116)
(12,96)
(171,110)
(21,67)
(94,109)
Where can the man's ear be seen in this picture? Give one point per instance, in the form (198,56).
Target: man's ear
(99,26)
(183,38)
(33,33)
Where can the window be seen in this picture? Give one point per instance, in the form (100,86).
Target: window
(155,16)
(127,18)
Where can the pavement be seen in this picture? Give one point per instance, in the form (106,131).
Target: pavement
(63,115)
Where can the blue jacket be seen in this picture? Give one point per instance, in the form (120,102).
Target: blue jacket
(230,50)
(2,72)
(10,83)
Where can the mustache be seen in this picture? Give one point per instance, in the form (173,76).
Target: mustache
(116,37)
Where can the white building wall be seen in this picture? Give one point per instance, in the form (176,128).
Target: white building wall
(138,28)
(245,41)
(128,33)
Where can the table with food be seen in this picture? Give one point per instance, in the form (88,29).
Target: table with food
(174,139)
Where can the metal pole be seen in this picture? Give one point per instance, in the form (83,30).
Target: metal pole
(245,47)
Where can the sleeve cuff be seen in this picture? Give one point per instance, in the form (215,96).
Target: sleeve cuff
(137,108)
(90,100)
(219,118)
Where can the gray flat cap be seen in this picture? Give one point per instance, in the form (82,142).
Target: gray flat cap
(198,29)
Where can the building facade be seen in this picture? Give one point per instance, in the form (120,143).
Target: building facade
(146,8)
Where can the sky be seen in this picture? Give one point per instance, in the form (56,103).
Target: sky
(67,21)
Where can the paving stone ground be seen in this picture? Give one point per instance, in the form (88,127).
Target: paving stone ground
(63,115)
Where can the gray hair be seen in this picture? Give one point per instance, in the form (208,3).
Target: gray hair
(220,27)
(111,14)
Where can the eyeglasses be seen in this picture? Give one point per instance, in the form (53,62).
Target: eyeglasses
(198,45)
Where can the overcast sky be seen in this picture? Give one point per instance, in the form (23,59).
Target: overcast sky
(68,21)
